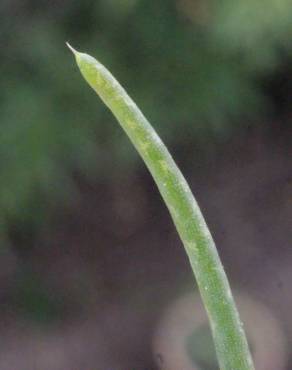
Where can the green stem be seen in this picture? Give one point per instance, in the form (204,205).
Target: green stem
(228,334)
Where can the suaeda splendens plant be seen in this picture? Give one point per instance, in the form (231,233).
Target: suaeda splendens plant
(227,330)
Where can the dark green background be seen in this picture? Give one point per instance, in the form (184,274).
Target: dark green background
(197,70)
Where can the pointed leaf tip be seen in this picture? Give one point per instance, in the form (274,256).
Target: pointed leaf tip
(75,52)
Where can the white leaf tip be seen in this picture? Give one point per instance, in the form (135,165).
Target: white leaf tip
(71,48)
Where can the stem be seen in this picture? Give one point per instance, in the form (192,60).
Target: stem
(228,334)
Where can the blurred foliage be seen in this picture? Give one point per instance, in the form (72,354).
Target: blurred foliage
(192,66)
(34,300)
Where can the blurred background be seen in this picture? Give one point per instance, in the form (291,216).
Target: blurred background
(89,258)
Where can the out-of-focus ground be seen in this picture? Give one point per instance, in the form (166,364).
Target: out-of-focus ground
(113,263)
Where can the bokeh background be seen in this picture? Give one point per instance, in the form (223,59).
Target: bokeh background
(89,258)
